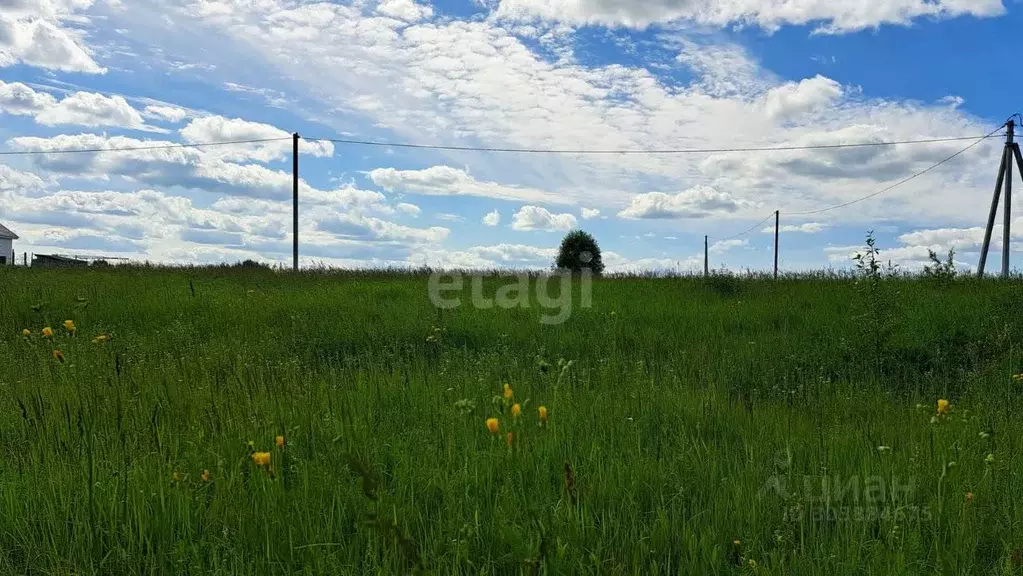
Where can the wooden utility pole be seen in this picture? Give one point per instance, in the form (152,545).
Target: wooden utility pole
(1010,151)
(706,253)
(776,218)
(294,191)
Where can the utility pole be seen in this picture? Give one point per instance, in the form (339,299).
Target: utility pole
(706,252)
(776,218)
(1010,151)
(294,190)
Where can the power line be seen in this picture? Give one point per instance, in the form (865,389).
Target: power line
(638,151)
(899,183)
(744,232)
(138,148)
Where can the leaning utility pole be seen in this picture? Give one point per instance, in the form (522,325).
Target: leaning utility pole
(1010,151)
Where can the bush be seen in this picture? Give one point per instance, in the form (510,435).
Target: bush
(579,251)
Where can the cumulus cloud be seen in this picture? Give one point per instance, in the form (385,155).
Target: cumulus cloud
(726,245)
(590,213)
(697,202)
(836,16)
(539,218)
(162,113)
(79,108)
(806,228)
(448,181)
(410,209)
(36,33)
(221,129)
(492,218)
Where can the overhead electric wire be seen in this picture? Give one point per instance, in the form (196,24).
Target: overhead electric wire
(138,148)
(744,232)
(899,183)
(640,151)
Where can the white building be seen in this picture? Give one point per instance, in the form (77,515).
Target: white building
(7,239)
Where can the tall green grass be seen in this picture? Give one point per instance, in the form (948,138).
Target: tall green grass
(689,415)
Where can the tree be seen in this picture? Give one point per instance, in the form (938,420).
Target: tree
(580,251)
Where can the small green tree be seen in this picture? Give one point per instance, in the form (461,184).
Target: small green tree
(580,251)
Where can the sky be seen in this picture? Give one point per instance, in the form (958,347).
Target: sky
(526,74)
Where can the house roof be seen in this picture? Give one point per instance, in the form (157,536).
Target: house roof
(6,234)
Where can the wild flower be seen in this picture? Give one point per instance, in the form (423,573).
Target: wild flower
(508,393)
(969,496)
(509,438)
(47,332)
(543,414)
(261,459)
(58,355)
(176,477)
(101,338)
(516,410)
(26,332)
(69,325)
(279,441)
(205,476)
(944,407)
(493,425)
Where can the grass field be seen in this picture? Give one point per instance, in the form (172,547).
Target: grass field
(694,427)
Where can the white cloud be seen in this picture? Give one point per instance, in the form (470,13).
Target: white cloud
(806,228)
(79,108)
(492,218)
(726,245)
(834,16)
(697,202)
(35,32)
(448,217)
(539,218)
(410,209)
(171,114)
(448,181)
(590,213)
(406,10)
(221,129)
(793,99)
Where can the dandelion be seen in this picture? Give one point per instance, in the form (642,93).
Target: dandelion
(176,477)
(205,475)
(261,458)
(26,332)
(58,355)
(508,392)
(944,407)
(509,438)
(736,542)
(516,410)
(969,496)
(493,425)
(101,338)
(279,441)
(47,332)
(69,325)
(543,414)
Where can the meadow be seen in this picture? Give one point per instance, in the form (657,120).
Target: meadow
(247,421)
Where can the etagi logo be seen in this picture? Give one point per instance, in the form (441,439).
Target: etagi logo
(516,290)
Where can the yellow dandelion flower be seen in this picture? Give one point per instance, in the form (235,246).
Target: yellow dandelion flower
(205,475)
(543,413)
(261,458)
(58,355)
(508,392)
(176,477)
(944,407)
(493,425)
(736,542)
(509,438)
(101,338)
(279,441)
(69,325)
(26,332)
(516,410)
(969,496)
(47,332)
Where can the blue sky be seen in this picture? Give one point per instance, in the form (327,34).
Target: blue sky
(571,74)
